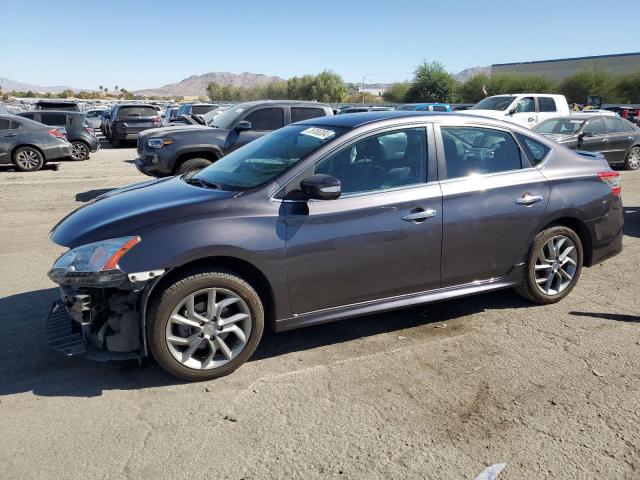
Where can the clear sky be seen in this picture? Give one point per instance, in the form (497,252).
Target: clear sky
(142,43)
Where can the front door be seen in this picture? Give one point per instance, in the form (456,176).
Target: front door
(492,204)
(525,112)
(594,138)
(380,239)
(263,121)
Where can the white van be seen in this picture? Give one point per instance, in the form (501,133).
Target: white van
(526,109)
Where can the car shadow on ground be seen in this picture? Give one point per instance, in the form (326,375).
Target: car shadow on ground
(632,221)
(27,364)
(608,316)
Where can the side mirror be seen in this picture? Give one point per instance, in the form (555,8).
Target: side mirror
(586,134)
(243,125)
(512,111)
(321,187)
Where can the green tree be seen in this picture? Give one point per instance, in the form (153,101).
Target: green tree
(397,92)
(590,82)
(519,83)
(432,83)
(471,90)
(628,87)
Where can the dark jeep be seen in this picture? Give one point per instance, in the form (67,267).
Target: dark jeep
(176,150)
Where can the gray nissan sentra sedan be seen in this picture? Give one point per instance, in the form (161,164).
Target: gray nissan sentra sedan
(323,220)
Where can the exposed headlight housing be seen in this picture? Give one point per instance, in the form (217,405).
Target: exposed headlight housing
(94,264)
(159,142)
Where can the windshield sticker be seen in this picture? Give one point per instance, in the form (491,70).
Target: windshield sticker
(319,133)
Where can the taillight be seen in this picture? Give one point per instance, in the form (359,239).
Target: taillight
(54,132)
(91,131)
(157,121)
(613,180)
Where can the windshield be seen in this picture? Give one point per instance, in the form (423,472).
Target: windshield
(226,118)
(262,160)
(563,126)
(493,103)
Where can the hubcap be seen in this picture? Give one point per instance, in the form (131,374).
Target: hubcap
(27,159)
(634,158)
(556,265)
(208,328)
(78,151)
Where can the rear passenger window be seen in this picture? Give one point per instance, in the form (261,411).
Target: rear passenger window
(617,125)
(547,104)
(475,150)
(439,108)
(266,119)
(535,150)
(28,115)
(4,124)
(303,113)
(53,119)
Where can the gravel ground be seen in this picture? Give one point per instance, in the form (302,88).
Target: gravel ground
(438,392)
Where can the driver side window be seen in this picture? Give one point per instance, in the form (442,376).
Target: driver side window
(526,105)
(379,162)
(595,126)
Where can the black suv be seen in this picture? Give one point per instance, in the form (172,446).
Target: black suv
(81,136)
(67,106)
(177,150)
(127,120)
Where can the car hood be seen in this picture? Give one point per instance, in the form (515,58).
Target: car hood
(177,130)
(124,211)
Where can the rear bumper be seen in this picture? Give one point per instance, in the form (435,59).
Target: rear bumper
(57,151)
(606,233)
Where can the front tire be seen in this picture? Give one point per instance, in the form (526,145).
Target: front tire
(205,325)
(632,162)
(553,266)
(193,165)
(28,159)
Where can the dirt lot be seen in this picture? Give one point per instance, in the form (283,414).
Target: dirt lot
(437,392)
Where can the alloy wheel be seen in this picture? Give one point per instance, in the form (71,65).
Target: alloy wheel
(556,265)
(28,159)
(633,160)
(78,150)
(208,328)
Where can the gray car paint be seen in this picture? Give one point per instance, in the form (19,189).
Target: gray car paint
(327,260)
(31,134)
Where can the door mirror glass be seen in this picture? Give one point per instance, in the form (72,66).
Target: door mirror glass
(586,134)
(321,187)
(243,125)
(512,111)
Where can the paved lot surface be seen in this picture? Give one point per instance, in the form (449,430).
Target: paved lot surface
(437,392)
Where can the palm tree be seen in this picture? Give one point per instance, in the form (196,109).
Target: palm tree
(101,88)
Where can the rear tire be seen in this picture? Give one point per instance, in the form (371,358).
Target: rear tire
(205,325)
(28,159)
(193,165)
(80,151)
(553,266)
(632,162)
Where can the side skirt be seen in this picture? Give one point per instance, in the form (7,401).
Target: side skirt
(402,301)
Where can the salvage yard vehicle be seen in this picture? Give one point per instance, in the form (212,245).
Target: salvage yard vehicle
(176,150)
(127,120)
(327,219)
(73,124)
(196,108)
(616,138)
(527,109)
(28,145)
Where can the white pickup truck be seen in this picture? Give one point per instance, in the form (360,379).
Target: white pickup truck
(526,109)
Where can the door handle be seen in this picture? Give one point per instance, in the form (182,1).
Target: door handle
(11,135)
(528,199)
(419,215)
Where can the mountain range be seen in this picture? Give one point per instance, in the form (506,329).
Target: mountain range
(196,85)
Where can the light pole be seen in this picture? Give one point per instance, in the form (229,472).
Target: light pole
(363,77)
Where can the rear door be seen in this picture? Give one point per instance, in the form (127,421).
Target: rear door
(7,140)
(263,120)
(621,138)
(547,108)
(493,201)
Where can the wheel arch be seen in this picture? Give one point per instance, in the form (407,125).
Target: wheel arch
(583,233)
(212,154)
(244,269)
(23,145)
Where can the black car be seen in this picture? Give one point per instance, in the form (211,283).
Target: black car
(127,120)
(175,150)
(196,108)
(67,106)
(81,136)
(616,138)
(28,145)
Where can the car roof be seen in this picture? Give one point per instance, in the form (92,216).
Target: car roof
(279,102)
(46,112)
(353,120)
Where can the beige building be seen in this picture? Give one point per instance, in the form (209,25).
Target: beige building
(559,69)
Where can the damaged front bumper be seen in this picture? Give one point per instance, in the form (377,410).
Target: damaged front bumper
(100,324)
